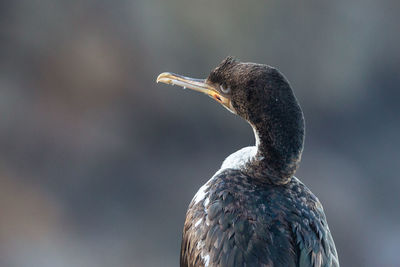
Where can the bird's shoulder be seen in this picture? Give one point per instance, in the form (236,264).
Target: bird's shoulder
(234,220)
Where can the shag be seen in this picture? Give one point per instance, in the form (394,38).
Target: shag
(253,211)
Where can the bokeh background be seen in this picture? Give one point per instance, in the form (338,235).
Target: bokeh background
(98,162)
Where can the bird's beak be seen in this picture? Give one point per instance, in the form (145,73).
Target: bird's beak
(199,85)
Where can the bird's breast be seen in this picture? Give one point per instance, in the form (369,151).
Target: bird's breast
(239,158)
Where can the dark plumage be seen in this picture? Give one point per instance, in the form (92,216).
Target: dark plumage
(253,211)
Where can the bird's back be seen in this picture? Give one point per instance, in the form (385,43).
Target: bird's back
(235,220)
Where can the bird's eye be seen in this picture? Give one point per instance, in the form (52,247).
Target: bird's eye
(225,90)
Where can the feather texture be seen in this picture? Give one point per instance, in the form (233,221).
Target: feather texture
(242,222)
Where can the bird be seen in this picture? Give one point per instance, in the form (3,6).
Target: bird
(254,211)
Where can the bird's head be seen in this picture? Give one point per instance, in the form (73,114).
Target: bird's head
(243,88)
(261,95)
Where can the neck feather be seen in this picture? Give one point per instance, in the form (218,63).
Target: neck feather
(279,149)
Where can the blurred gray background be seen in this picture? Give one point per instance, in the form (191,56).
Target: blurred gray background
(98,162)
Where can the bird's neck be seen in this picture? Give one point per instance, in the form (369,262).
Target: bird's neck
(279,149)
